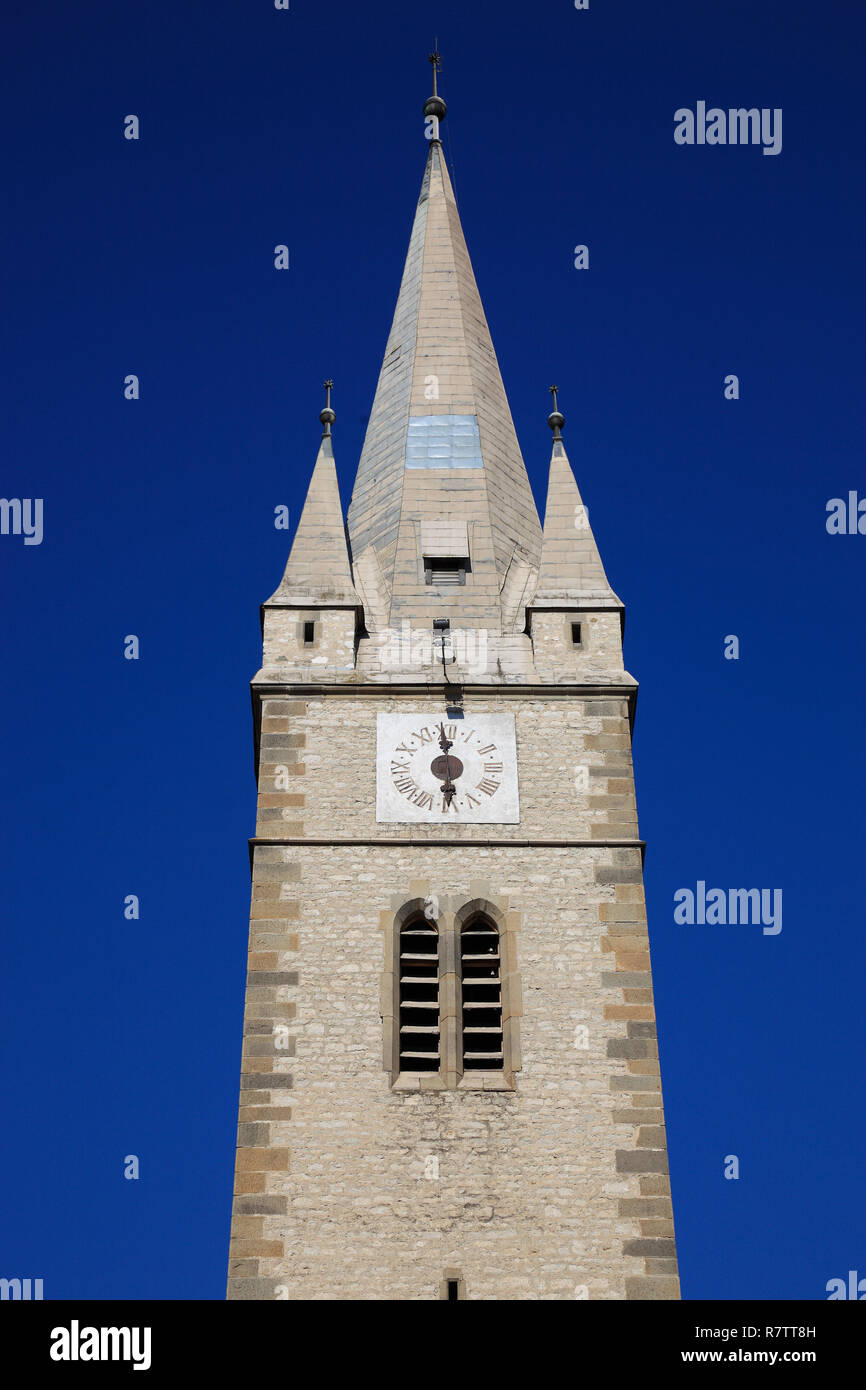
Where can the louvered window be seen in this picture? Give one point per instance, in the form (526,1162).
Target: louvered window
(419,996)
(441,569)
(481,976)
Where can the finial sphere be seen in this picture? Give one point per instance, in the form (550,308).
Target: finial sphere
(327,415)
(435,106)
(555,419)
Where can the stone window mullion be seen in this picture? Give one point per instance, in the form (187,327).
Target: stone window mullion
(449,1002)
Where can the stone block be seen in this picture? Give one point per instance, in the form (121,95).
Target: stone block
(645,1287)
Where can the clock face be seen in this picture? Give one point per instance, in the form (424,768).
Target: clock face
(472,779)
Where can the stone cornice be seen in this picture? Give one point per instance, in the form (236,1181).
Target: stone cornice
(295,689)
(417,841)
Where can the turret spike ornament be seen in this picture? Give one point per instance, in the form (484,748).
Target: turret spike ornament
(327,415)
(555,419)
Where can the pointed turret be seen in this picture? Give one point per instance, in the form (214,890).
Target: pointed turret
(442,499)
(575,618)
(318,569)
(309,625)
(571,568)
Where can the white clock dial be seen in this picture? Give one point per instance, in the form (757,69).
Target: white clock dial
(472,781)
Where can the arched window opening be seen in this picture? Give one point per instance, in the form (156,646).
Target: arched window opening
(419,996)
(481,977)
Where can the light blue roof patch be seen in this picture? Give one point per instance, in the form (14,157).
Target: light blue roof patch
(443,441)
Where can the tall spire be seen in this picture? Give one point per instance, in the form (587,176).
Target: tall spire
(440,445)
(318,569)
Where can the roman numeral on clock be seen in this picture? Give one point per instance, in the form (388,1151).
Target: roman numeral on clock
(406,785)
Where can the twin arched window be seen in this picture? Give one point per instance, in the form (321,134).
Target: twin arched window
(469,1036)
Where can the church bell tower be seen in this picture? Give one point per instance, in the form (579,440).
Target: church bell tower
(450,1079)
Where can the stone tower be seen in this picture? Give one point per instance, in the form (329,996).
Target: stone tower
(450,1079)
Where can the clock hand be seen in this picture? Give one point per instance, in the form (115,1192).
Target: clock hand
(449,791)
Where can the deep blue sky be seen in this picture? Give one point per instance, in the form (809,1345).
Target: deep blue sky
(156,257)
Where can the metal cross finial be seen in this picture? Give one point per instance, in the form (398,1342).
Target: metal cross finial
(327,415)
(435,61)
(555,419)
(434,106)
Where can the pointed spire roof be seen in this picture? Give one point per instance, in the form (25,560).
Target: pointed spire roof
(571,568)
(318,569)
(440,442)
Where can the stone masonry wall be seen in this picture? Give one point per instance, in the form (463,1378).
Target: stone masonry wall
(574,766)
(599,654)
(557,1190)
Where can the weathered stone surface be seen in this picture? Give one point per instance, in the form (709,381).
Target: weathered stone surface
(654,1288)
(260,1205)
(252,1289)
(658,1247)
(641,1161)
